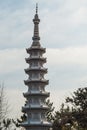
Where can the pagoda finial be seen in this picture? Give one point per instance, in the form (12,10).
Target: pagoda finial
(36,21)
(36,8)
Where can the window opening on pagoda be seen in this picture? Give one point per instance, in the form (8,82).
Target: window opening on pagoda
(34,63)
(35,75)
(35,87)
(35,53)
(35,100)
(36,116)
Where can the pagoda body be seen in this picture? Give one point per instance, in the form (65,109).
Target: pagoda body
(35,106)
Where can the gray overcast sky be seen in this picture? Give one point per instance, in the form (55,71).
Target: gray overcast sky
(63,31)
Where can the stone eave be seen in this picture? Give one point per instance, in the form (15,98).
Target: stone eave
(36,81)
(32,48)
(42,124)
(35,69)
(28,94)
(42,59)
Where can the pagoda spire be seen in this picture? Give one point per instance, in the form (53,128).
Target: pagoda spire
(36,8)
(36,21)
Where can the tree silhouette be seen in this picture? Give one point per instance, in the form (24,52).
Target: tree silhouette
(79,103)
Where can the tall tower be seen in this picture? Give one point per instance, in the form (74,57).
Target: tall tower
(35,106)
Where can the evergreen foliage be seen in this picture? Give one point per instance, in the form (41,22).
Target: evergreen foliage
(79,103)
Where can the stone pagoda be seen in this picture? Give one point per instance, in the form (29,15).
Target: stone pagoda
(35,107)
